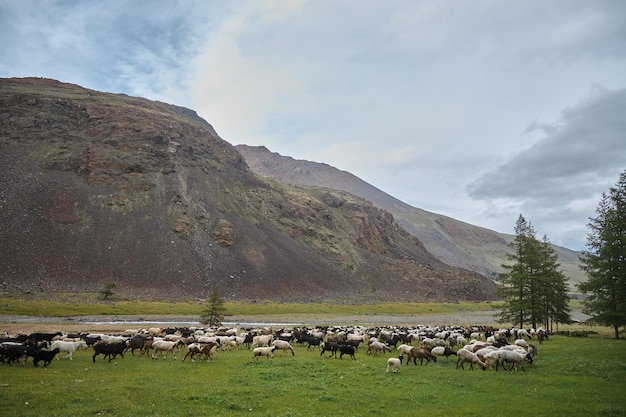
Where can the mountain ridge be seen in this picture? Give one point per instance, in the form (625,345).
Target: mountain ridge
(452,241)
(100,187)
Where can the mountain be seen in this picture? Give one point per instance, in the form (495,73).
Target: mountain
(451,241)
(102,188)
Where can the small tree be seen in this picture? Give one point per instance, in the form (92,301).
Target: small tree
(107,290)
(213,314)
(605,260)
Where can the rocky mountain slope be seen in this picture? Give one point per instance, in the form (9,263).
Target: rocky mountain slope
(453,242)
(99,188)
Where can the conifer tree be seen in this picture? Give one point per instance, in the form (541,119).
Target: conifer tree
(213,314)
(515,283)
(605,260)
(554,288)
(532,287)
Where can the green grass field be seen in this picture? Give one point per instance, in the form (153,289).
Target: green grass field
(571,377)
(90,304)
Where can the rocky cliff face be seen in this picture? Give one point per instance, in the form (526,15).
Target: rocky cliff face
(100,188)
(454,242)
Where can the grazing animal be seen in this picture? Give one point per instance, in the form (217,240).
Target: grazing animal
(314,341)
(331,347)
(502,357)
(68,346)
(404,349)
(442,351)
(421,354)
(43,355)
(377,347)
(263,351)
(394,364)
(137,342)
(262,340)
(165,346)
(463,355)
(13,351)
(108,350)
(284,346)
(202,349)
(39,337)
(346,350)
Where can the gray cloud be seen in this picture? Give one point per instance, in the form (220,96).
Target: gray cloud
(578,153)
(558,179)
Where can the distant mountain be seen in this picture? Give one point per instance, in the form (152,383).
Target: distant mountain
(104,188)
(452,241)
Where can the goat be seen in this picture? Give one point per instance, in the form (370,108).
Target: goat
(68,346)
(43,355)
(137,342)
(331,347)
(314,341)
(262,340)
(346,350)
(202,349)
(12,352)
(421,354)
(108,350)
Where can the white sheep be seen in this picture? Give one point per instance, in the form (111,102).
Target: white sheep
(515,358)
(377,347)
(404,349)
(522,343)
(465,355)
(165,346)
(394,364)
(483,351)
(229,344)
(284,346)
(263,351)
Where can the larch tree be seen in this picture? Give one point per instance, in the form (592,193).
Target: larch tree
(515,282)
(533,289)
(213,314)
(554,297)
(604,261)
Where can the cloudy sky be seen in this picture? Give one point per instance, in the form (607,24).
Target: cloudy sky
(478,109)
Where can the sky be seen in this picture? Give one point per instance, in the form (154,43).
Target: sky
(480,110)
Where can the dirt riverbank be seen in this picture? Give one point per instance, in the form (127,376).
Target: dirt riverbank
(110,324)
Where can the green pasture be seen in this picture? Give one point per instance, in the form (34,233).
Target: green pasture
(571,377)
(91,305)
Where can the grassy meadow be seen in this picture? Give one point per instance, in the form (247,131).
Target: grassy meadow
(92,305)
(572,376)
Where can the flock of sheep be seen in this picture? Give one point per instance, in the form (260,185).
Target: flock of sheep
(483,347)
